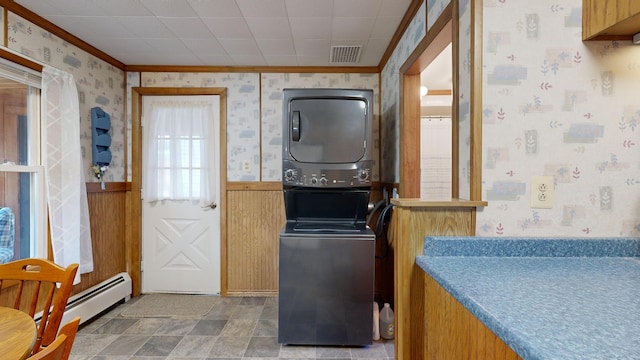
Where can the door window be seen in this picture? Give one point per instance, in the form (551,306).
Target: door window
(22,200)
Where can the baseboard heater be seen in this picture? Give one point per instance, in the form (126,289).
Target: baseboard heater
(96,299)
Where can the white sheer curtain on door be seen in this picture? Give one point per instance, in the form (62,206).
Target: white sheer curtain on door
(177,149)
(66,189)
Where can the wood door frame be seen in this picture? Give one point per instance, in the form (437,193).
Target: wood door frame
(134,221)
(442,32)
(434,42)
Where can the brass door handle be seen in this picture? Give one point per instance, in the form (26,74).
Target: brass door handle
(213,205)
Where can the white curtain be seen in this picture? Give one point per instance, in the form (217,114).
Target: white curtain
(178,149)
(62,156)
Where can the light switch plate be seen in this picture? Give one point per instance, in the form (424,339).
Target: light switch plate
(542,192)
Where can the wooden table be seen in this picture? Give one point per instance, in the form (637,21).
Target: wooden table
(17,333)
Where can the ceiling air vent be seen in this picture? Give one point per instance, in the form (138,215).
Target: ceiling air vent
(345,54)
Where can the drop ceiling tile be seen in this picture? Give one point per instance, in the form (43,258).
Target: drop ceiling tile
(135,22)
(313,61)
(167,46)
(171,8)
(310,28)
(309,8)
(281,60)
(43,8)
(215,60)
(144,26)
(373,51)
(187,27)
(231,28)
(356,8)
(269,28)
(178,58)
(122,8)
(133,58)
(262,8)
(276,46)
(99,25)
(122,45)
(240,47)
(352,28)
(394,7)
(313,47)
(248,60)
(349,42)
(207,47)
(385,26)
(215,8)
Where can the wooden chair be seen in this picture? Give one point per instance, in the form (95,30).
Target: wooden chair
(39,284)
(69,330)
(54,351)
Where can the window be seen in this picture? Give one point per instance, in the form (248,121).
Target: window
(178,144)
(22,194)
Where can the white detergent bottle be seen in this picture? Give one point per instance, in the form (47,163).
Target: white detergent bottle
(387,329)
(376,321)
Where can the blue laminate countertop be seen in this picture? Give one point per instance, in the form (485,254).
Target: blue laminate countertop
(577,299)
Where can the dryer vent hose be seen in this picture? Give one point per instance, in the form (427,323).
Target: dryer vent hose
(382,213)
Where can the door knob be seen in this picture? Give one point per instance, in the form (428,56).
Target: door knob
(213,205)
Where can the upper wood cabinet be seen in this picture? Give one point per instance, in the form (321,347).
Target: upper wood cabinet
(610,19)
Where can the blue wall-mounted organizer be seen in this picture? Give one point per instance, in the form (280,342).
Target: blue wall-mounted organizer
(100,137)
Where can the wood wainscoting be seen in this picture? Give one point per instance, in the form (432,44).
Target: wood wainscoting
(107,213)
(255,215)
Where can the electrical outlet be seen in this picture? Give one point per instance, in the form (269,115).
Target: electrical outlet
(542,192)
(246,166)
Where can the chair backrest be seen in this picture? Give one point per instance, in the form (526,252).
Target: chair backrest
(69,330)
(7,234)
(54,351)
(39,284)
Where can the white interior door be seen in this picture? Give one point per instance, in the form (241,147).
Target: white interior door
(181,238)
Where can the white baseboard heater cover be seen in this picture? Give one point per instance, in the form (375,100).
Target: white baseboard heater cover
(97,299)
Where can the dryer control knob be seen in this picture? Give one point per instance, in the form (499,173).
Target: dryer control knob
(363,175)
(290,175)
(323,180)
(314,181)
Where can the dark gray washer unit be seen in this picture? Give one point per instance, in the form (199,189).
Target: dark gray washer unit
(326,255)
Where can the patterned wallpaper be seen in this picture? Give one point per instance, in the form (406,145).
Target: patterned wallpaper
(390,107)
(99,84)
(554,105)
(434,10)
(464,97)
(243,114)
(254,128)
(133,80)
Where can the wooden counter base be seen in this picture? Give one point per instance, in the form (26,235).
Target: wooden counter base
(452,332)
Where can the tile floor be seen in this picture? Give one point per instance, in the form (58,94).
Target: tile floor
(235,328)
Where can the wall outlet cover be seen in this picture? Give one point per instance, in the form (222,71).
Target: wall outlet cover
(542,192)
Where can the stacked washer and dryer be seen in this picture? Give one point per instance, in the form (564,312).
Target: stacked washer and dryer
(327,251)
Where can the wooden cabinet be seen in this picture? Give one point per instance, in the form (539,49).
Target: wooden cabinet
(452,332)
(412,220)
(610,19)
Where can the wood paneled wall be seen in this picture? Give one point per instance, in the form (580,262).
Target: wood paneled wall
(254,220)
(412,220)
(107,215)
(452,332)
(255,216)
